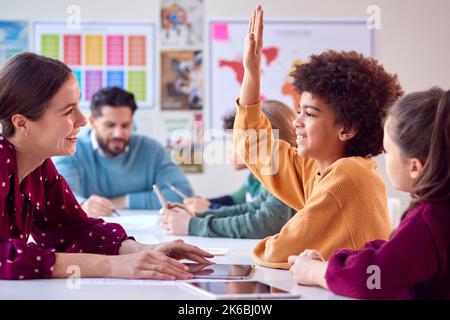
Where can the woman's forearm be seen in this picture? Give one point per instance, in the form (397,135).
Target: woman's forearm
(130,246)
(89,265)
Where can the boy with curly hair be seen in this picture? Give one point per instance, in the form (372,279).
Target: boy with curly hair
(330,178)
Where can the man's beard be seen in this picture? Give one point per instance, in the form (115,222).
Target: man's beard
(112,152)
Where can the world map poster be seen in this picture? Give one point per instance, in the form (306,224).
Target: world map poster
(286,43)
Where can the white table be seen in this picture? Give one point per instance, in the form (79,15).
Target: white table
(144,226)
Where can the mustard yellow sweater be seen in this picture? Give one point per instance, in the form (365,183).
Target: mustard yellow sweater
(343,207)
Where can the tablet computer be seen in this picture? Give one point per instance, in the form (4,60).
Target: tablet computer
(220,271)
(238,290)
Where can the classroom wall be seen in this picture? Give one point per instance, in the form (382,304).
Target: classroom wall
(412,42)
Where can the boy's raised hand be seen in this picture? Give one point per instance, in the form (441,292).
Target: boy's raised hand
(254,42)
(252,59)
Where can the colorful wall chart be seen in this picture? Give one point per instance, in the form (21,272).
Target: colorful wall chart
(286,43)
(104,54)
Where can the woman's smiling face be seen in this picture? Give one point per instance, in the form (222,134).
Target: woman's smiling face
(55,132)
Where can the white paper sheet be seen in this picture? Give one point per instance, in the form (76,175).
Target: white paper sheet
(217,251)
(111,281)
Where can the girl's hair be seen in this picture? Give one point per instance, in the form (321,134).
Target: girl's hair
(27,84)
(422,130)
(279,115)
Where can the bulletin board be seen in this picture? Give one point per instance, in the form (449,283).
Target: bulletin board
(104,54)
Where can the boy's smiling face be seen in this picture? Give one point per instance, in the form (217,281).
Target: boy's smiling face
(318,135)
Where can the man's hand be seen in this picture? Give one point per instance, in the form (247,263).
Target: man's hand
(96,206)
(118,202)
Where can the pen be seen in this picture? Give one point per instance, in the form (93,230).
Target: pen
(160,197)
(112,209)
(116,212)
(177,191)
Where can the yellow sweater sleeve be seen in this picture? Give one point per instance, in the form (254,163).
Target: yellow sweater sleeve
(342,212)
(320,226)
(273,162)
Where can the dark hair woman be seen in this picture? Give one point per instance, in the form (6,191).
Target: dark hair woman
(41,118)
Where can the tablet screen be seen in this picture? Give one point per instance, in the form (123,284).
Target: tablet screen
(240,289)
(220,271)
(234,287)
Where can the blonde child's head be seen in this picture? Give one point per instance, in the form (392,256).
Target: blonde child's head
(280,117)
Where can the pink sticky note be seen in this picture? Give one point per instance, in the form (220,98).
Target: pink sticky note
(220,31)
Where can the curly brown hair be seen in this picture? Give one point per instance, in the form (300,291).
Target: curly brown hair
(357,89)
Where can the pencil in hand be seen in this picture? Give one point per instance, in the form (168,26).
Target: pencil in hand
(112,209)
(177,191)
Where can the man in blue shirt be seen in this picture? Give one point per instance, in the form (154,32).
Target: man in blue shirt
(115,169)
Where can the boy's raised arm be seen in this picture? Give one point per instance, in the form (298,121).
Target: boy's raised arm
(252,59)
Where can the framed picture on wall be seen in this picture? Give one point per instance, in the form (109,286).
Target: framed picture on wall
(182,80)
(181,23)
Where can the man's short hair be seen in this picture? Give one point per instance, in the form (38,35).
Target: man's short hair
(112,97)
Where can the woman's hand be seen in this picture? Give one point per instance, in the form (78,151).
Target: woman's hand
(178,250)
(175,220)
(130,246)
(252,59)
(147,264)
(308,268)
(157,261)
(197,204)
